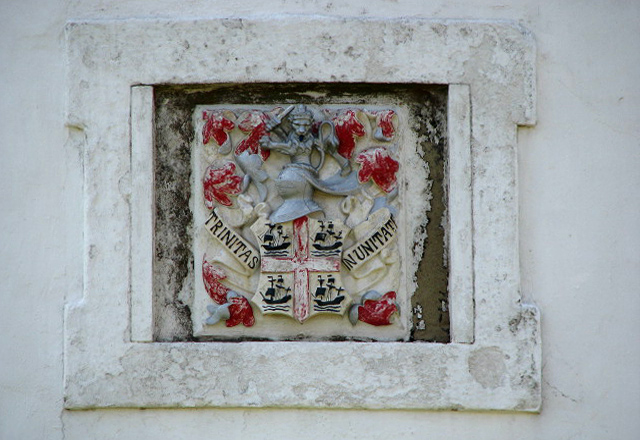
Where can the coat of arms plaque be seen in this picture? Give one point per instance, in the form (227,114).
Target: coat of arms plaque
(300,208)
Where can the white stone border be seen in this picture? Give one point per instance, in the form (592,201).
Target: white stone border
(460,215)
(494,361)
(142,212)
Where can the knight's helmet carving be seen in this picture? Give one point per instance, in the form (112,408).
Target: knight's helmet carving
(301,113)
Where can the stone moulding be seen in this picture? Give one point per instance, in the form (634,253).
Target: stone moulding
(494,359)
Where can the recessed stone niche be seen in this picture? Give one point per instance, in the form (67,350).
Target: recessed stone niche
(206,129)
(136,335)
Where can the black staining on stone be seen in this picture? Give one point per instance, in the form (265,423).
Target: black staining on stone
(233,23)
(430,123)
(293,93)
(402,34)
(173,264)
(296,338)
(352,53)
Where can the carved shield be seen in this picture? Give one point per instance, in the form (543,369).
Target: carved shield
(300,267)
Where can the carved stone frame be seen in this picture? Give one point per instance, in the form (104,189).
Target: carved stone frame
(494,359)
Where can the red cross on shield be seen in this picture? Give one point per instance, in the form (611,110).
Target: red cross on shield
(300,267)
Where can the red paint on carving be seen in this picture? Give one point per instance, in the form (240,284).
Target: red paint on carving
(377,164)
(384,121)
(239,307)
(315,127)
(254,123)
(216,127)
(241,312)
(378,312)
(348,127)
(219,183)
(211,275)
(301,273)
(301,245)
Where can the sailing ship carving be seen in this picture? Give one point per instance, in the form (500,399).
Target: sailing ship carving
(275,241)
(327,240)
(277,294)
(328,297)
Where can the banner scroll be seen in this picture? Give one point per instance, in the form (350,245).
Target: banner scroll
(242,251)
(383,229)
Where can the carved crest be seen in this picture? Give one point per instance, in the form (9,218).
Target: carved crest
(300,267)
(304,197)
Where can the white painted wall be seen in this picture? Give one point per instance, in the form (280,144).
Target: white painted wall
(580,229)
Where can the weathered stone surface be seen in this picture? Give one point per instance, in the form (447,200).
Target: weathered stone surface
(496,61)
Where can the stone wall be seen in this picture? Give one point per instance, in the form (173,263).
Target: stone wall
(579,235)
